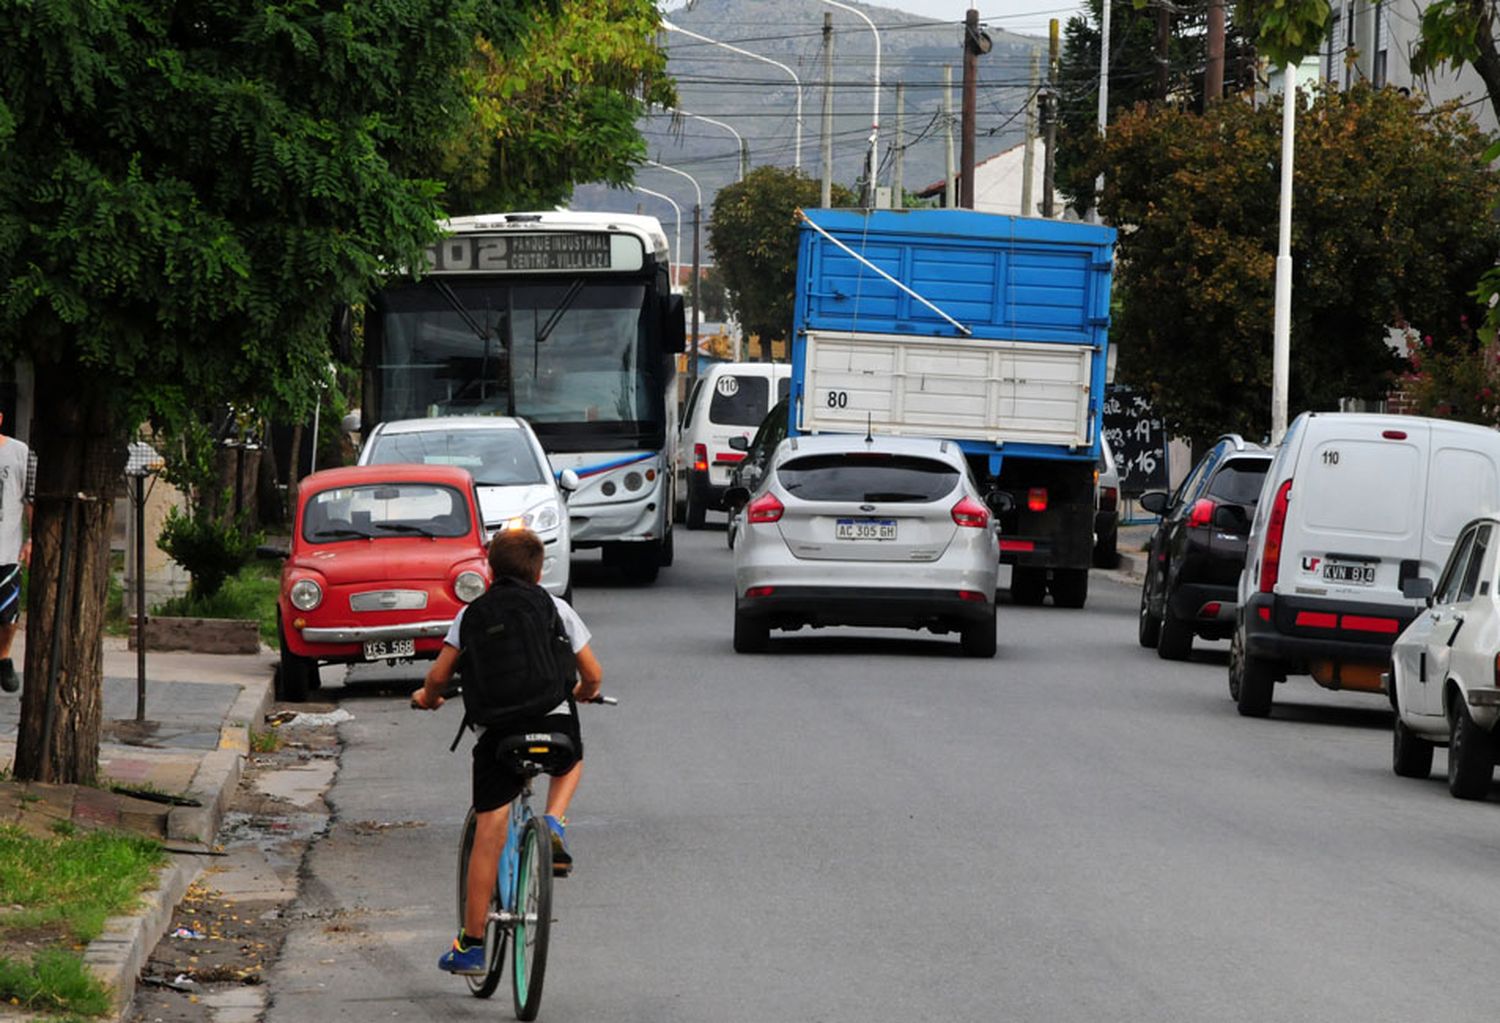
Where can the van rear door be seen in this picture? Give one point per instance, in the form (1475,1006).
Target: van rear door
(1463,481)
(1359,502)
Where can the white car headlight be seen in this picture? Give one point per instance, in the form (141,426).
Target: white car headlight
(469,586)
(305,595)
(543,517)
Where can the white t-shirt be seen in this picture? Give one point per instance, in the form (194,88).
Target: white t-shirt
(578,633)
(17,488)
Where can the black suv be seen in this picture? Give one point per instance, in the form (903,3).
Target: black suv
(1198,549)
(752,468)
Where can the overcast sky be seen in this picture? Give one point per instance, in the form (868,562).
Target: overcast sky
(1028,17)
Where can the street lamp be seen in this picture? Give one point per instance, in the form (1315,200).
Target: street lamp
(697,217)
(797,82)
(143,461)
(677,244)
(740,139)
(875,117)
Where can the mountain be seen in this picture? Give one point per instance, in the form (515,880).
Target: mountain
(758,100)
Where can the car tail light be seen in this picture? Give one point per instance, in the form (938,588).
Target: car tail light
(1109,497)
(1497,671)
(1270,555)
(760,591)
(765,508)
(973,596)
(1036,499)
(1394,434)
(700,458)
(1210,610)
(1265,613)
(1202,513)
(1017,545)
(1317,620)
(969,512)
(1366,623)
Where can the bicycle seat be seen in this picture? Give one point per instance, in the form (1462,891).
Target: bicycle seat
(537,752)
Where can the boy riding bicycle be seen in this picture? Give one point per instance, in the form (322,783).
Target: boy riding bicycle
(515,558)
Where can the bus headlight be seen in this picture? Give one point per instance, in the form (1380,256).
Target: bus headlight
(468,586)
(305,594)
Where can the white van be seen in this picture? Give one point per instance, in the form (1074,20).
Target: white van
(728,401)
(1353,506)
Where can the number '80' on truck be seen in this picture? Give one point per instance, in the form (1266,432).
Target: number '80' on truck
(987,330)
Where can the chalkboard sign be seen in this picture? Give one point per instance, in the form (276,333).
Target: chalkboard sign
(1137,438)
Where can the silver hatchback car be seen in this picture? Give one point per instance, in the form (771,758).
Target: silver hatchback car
(879,531)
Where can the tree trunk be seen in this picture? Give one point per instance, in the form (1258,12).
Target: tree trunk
(294,474)
(80,456)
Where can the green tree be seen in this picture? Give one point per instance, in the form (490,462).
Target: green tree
(1385,233)
(187,189)
(1133,71)
(754,237)
(558,105)
(1459,32)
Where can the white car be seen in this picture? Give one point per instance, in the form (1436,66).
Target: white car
(727,405)
(1445,668)
(869,531)
(514,480)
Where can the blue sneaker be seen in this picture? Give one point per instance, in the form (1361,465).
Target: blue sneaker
(562,862)
(463,961)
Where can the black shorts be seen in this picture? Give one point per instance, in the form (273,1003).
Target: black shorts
(10,594)
(494,784)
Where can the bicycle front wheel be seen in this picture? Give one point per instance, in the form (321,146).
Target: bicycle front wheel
(481,985)
(534,909)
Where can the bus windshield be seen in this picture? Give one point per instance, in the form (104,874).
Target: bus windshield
(573,353)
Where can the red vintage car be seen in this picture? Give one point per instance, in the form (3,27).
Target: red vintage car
(382,558)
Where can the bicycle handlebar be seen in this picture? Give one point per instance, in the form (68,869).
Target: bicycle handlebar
(449,692)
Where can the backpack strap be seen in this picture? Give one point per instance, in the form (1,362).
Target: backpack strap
(459,736)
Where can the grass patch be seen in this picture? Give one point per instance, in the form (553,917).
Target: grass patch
(54,981)
(251,593)
(265,742)
(73,884)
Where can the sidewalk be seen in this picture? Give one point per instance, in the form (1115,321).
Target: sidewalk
(199,712)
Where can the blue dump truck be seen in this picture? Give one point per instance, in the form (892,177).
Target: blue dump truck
(983,329)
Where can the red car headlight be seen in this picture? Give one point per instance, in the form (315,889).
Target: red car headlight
(305,594)
(469,586)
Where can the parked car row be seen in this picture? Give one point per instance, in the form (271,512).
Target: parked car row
(1361,552)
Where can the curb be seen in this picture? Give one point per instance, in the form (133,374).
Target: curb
(118,954)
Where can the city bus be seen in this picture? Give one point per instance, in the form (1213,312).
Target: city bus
(568,320)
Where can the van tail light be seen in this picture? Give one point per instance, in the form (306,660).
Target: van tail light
(1109,498)
(973,596)
(700,458)
(1270,555)
(1036,499)
(969,512)
(1497,671)
(1202,513)
(765,508)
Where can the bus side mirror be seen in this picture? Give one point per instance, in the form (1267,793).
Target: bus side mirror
(674,326)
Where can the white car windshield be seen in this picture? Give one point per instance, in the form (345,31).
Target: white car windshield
(493,457)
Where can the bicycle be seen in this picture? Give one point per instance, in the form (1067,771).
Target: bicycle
(520,910)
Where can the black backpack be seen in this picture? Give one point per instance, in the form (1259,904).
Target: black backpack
(516,658)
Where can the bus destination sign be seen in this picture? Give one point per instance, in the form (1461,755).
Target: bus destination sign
(521,253)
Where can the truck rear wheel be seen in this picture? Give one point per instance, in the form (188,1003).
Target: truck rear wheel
(1070,587)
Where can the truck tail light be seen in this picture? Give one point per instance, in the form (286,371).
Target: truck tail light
(765,508)
(1270,555)
(969,512)
(1202,512)
(700,458)
(1036,499)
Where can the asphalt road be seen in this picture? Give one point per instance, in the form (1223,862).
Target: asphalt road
(865,826)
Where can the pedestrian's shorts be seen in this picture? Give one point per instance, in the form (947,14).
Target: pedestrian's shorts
(495,785)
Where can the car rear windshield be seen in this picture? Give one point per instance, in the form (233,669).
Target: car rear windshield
(385,510)
(739,400)
(868,477)
(1239,481)
(493,457)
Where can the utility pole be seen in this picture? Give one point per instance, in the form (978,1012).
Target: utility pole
(949,184)
(1213,75)
(900,147)
(970,105)
(827,197)
(1163,42)
(1103,96)
(744,159)
(1049,112)
(1028,157)
(693,341)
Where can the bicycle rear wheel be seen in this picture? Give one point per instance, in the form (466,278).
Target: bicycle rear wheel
(534,907)
(481,985)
